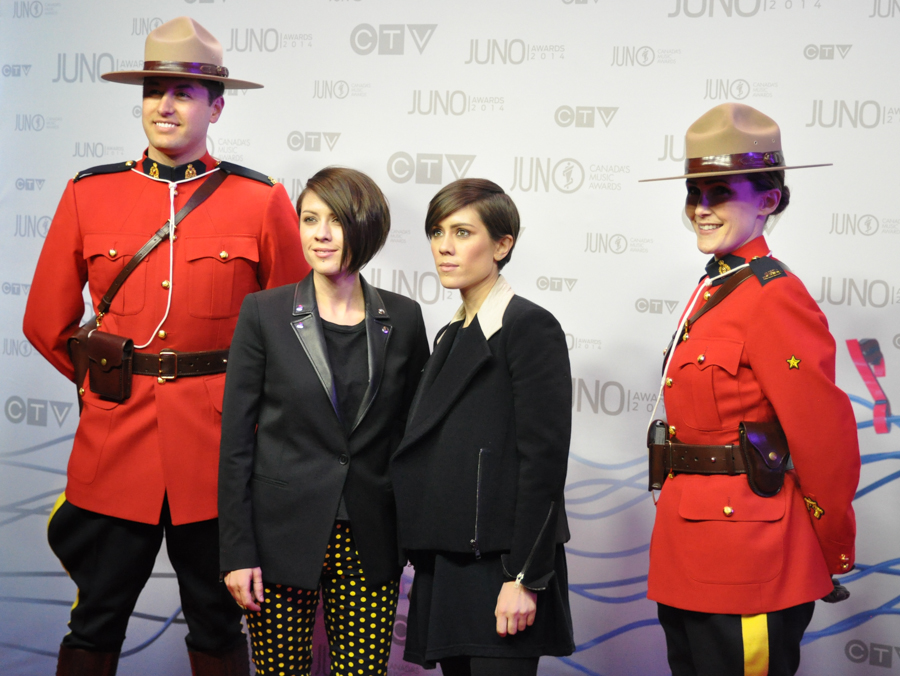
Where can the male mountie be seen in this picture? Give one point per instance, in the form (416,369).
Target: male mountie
(144,462)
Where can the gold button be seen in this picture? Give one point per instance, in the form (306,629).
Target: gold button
(685,337)
(162,334)
(103,361)
(223,255)
(161,381)
(706,295)
(165,283)
(668,382)
(129,163)
(701,359)
(80,391)
(728,511)
(845,566)
(671,430)
(844,557)
(773,456)
(113,253)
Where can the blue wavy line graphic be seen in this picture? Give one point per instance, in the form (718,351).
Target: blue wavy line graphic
(39,447)
(635,481)
(618,631)
(578,667)
(38,468)
(599,465)
(615,600)
(160,632)
(608,555)
(852,621)
(877,484)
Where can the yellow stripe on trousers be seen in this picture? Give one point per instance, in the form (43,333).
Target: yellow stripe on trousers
(755,633)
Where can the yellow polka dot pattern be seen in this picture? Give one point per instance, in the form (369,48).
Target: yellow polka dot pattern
(359,621)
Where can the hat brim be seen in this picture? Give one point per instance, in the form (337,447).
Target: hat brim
(731,172)
(136,77)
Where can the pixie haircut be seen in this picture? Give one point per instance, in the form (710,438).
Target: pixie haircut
(493,206)
(361,208)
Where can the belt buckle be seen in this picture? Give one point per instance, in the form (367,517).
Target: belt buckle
(163,363)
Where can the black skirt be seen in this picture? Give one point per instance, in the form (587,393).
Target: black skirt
(451,611)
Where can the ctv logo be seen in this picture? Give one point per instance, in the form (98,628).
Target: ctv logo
(390,39)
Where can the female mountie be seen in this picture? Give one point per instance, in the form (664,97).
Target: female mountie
(320,378)
(758,461)
(480,473)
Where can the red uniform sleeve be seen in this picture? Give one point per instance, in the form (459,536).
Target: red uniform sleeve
(55,305)
(281,258)
(792,356)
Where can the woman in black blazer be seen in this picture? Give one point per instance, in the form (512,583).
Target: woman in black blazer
(480,473)
(320,378)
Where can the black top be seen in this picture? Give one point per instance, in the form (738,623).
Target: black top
(349,360)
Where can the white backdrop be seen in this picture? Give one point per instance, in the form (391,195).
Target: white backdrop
(564,103)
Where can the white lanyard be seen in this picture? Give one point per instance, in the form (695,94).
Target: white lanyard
(173,188)
(705,284)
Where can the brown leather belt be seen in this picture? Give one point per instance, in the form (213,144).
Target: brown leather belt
(699,459)
(169,364)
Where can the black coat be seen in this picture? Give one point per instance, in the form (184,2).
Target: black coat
(285,459)
(482,466)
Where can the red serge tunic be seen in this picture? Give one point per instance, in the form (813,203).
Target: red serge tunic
(766,354)
(164,439)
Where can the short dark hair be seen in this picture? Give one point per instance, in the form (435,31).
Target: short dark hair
(214,89)
(361,208)
(763,181)
(494,207)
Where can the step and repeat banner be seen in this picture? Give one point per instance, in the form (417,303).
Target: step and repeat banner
(564,103)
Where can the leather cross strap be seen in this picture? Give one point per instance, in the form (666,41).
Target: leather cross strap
(205,190)
(169,364)
(729,286)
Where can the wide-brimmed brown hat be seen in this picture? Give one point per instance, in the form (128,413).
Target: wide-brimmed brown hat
(181,48)
(733,138)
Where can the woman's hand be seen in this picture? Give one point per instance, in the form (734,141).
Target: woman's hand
(246,586)
(516,607)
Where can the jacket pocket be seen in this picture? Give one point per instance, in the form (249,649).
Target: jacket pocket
(221,271)
(106,255)
(708,368)
(93,433)
(733,535)
(479,480)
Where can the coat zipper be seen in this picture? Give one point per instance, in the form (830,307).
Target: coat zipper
(521,575)
(474,541)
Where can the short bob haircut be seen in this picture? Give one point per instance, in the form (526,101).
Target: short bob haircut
(493,206)
(361,208)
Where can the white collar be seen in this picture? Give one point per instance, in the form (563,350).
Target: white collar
(490,314)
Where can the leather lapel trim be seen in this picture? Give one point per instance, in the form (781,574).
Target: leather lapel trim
(378,332)
(446,378)
(308,327)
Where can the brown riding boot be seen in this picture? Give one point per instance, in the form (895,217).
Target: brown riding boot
(229,662)
(78,662)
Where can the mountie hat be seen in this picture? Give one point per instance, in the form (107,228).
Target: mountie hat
(732,139)
(181,48)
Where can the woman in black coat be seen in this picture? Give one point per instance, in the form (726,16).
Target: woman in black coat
(320,378)
(480,473)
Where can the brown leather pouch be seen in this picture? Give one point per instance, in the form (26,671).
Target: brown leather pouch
(110,362)
(656,444)
(766,456)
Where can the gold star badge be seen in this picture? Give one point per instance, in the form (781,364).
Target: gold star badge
(793,363)
(813,507)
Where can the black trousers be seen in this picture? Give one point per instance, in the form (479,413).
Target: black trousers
(110,561)
(489,666)
(706,644)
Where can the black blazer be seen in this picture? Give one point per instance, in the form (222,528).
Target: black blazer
(482,466)
(285,459)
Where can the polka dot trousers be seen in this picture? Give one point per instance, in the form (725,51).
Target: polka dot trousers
(359,621)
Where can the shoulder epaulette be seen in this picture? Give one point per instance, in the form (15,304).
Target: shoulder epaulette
(238,170)
(766,269)
(104,169)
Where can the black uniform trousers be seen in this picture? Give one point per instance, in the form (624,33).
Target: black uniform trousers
(110,561)
(707,644)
